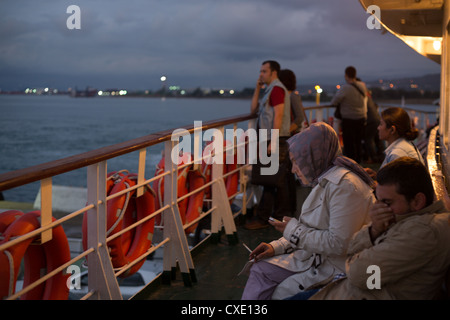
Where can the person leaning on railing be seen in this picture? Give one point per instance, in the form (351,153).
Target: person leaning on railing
(273,109)
(351,98)
(288,78)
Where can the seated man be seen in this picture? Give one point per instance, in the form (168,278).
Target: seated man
(405,252)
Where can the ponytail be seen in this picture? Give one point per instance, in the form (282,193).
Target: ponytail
(411,134)
(399,118)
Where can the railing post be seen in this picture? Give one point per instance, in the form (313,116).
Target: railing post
(101,278)
(177,249)
(141,171)
(46,208)
(222,216)
(319,115)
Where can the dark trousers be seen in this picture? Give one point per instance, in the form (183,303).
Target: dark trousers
(279,201)
(352,134)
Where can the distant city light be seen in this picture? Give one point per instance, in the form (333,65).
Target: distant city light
(318,89)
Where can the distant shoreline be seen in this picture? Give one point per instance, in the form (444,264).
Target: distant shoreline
(305,98)
(407,101)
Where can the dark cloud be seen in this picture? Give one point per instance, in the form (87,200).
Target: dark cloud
(195,43)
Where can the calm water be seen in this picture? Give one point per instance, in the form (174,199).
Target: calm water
(38,129)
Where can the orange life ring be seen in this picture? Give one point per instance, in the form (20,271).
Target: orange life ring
(195,205)
(231,181)
(124,211)
(188,180)
(112,177)
(182,187)
(49,255)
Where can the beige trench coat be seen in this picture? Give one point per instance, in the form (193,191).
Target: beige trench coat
(315,246)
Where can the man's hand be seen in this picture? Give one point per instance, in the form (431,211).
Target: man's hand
(382,217)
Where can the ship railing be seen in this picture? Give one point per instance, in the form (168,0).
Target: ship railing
(421,118)
(102,276)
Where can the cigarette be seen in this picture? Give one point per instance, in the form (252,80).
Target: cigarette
(249,250)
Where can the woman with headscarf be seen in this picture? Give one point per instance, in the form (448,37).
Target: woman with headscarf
(313,248)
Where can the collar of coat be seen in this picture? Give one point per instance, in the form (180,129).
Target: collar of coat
(334,175)
(435,207)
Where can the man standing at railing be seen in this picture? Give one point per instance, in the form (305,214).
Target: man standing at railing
(278,198)
(352,101)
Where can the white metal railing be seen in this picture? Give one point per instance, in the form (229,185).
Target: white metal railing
(422,119)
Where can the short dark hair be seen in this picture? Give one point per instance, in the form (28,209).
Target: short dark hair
(274,66)
(287,77)
(409,176)
(350,72)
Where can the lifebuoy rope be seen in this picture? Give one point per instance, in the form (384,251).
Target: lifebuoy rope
(122,212)
(11,272)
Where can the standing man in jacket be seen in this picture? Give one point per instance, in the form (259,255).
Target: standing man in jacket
(273,111)
(352,100)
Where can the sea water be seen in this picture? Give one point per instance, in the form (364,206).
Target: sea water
(39,129)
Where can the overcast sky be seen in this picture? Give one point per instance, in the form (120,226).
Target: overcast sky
(129,44)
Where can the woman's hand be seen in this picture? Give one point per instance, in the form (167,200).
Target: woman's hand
(263,251)
(280,225)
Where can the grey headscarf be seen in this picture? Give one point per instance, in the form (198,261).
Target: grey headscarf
(316,150)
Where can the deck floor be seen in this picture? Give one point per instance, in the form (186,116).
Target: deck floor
(217,266)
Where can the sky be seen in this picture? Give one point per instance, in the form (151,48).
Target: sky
(130,44)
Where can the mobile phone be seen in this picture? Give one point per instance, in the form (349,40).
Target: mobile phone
(273,219)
